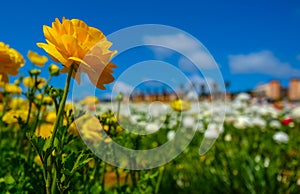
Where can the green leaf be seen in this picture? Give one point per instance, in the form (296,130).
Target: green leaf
(70,161)
(56,143)
(47,144)
(38,142)
(82,159)
(9,179)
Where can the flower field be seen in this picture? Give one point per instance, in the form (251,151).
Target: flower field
(52,145)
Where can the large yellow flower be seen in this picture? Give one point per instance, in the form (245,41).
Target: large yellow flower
(10,61)
(73,42)
(37,59)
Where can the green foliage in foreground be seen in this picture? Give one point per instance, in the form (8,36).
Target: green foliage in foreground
(241,161)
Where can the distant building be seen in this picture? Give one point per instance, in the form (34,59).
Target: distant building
(165,97)
(271,90)
(294,90)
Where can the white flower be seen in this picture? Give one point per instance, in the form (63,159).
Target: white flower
(200,126)
(275,124)
(257,121)
(227,137)
(152,127)
(188,122)
(296,113)
(257,158)
(266,162)
(192,95)
(142,123)
(135,118)
(281,137)
(156,109)
(267,110)
(171,135)
(213,131)
(242,122)
(239,105)
(243,97)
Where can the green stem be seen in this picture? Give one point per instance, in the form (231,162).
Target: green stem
(43,162)
(61,105)
(118,178)
(48,178)
(41,102)
(161,172)
(56,125)
(133,178)
(53,188)
(118,111)
(102,178)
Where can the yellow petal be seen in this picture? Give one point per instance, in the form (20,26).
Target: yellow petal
(52,51)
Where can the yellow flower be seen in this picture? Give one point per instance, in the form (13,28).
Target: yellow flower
(69,107)
(18,103)
(180,105)
(73,129)
(73,42)
(12,88)
(10,61)
(89,127)
(89,100)
(45,130)
(29,82)
(11,116)
(50,117)
(37,59)
(38,160)
(46,100)
(2,82)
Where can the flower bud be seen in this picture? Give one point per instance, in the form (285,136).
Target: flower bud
(53,69)
(54,93)
(35,72)
(119,97)
(17,82)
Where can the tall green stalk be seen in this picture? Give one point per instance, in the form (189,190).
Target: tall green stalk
(56,126)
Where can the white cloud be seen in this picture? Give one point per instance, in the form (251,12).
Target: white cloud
(185,45)
(161,52)
(261,62)
(178,42)
(122,87)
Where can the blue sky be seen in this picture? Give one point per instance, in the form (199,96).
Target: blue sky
(251,41)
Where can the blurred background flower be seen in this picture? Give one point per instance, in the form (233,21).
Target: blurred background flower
(37,59)
(10,61)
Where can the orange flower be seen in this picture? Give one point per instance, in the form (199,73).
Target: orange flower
(73,42)
(10,61)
